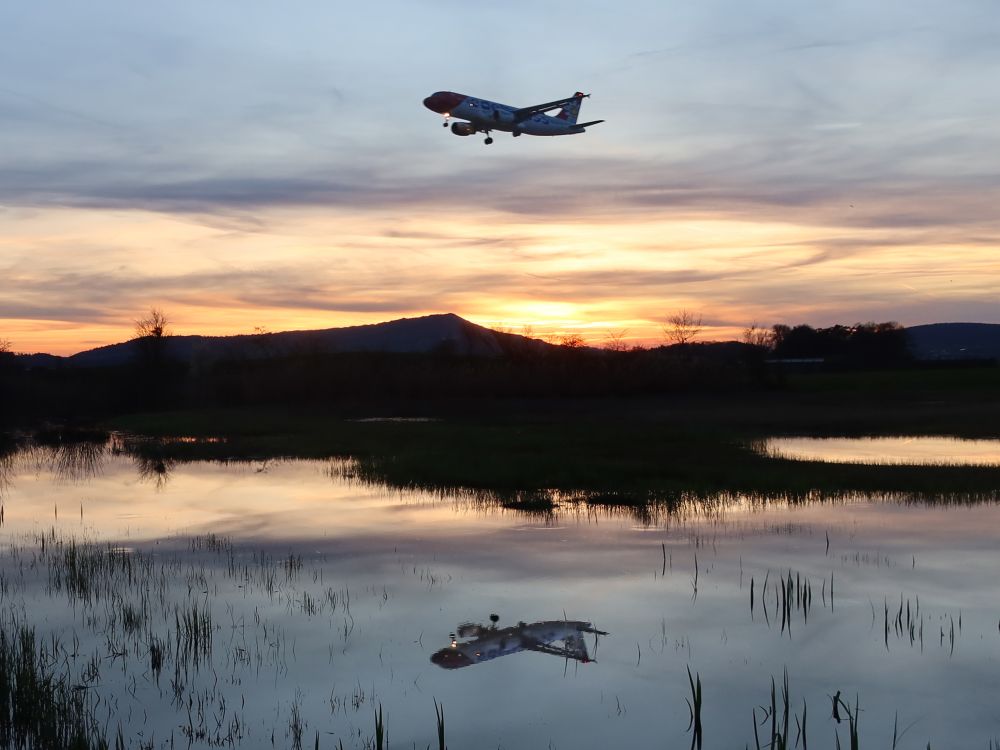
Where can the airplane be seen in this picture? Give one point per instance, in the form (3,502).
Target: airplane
(489,642)
(482,115)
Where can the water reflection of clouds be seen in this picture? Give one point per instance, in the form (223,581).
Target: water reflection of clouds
(322,500)
(439,559)
(929,450)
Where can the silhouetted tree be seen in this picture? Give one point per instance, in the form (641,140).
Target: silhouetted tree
(779,332)
(799,342)
(7,360)
(151,356)
(572,341)
(758,337)
(879,343)
(153,326)
(866,344)
(682,327)
(616,340)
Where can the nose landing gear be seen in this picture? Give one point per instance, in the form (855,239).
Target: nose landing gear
(488,140)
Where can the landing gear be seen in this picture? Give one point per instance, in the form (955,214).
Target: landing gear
(488,140)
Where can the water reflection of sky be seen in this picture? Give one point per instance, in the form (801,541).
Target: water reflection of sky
(416,567)
(888,450)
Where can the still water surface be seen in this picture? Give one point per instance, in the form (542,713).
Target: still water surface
(325,598)
(920,450)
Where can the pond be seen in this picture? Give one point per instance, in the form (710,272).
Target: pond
(911,450)
(284,602)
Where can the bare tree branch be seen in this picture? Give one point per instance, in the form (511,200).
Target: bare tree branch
(153,325)
(616,340)
(755,335)
(682,327)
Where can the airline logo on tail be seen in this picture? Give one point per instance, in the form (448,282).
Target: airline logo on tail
(570,112)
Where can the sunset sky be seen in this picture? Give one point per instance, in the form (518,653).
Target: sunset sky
(243,164)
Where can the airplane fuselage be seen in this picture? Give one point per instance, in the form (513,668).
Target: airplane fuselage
(483,115)
(487,115)
(490,643)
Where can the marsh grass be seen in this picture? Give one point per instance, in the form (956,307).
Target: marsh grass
(599,455)
(379,729)
(193,630)
(89,572)
(853,715)
(792,593)
(43,708)
(124,596)
(439,715)
(694,707)
(780,728)
(38,707)
(133,615)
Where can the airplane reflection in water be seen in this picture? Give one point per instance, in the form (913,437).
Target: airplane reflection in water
(563,638)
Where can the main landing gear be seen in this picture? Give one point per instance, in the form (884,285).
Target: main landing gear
(488,141)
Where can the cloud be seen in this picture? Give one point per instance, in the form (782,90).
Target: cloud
(232,161)
(580,189)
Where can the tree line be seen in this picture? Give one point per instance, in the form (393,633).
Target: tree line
(868,344)
(155,381)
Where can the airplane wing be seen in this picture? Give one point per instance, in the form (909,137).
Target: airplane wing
(524,113)
(572,649)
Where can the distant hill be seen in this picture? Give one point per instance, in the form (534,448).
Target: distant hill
(955,341)
(449,333)
(445,333)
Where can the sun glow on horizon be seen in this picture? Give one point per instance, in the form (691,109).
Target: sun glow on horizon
(80,278)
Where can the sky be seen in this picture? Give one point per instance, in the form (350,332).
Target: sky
(243,165)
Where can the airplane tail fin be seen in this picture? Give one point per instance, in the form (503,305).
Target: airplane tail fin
(571,110)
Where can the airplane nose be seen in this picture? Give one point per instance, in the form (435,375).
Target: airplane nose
(443,101)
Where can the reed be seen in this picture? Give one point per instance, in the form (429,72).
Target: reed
(616,460)
(439,713)
(379,729)
(694,707)
(852,722)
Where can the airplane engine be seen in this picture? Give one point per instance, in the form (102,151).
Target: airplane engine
(463,128)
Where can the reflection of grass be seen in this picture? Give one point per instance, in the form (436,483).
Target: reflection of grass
(694,706)
(37,707)
(50,686)
(606,453)
(439,713)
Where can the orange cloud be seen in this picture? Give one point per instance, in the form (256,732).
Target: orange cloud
(79,277)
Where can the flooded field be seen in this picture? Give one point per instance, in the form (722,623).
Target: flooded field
(288,604)
(923,450)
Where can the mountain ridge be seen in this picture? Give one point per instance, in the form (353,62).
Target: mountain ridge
(447,333)
(944,341)
(442,332)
